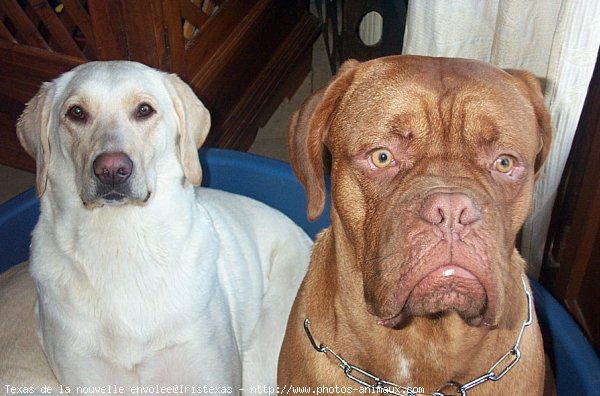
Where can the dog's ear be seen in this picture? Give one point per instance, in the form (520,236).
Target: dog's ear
(530,85)
(33,130)
(308,130)
(193,124)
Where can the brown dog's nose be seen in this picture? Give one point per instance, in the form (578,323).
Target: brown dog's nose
(113,168)
(449,210)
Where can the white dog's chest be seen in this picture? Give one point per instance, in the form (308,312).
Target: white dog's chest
(129,316)
(126,289)
(147,293)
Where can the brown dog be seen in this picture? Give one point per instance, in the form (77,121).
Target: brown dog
(417,281)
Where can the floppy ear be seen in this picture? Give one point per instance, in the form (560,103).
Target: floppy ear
(307,133)
(193,124)
(33,128)
(530,85)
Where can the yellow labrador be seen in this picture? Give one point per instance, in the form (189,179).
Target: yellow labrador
(143,279)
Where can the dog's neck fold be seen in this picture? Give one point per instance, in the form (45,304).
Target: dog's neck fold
(449,360)
(446,347)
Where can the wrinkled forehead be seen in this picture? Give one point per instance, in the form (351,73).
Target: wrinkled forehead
(111,82)
(461,103)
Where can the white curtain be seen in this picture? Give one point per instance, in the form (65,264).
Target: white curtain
(555,39)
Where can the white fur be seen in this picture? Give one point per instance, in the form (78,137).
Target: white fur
(192,287)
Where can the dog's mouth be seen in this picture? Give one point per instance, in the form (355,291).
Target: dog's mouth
(114,198)
(449,288)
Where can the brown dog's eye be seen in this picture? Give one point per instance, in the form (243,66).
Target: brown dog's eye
(144,110)
(76,113)
(504,163)
(382,158)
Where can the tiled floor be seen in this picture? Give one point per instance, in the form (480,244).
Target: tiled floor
(271,140)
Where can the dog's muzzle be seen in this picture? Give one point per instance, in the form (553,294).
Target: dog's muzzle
(112,170)
(446,269)
(113,182)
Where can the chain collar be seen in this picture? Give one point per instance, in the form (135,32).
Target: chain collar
(504,364)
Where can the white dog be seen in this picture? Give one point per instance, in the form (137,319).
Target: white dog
(142,279)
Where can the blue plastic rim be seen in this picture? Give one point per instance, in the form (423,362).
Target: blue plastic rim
(576,365)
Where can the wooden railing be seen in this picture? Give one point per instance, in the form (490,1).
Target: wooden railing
(240,57)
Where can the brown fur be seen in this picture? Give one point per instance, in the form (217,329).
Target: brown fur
(445,121)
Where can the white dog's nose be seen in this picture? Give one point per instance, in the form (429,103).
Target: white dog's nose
(113,168)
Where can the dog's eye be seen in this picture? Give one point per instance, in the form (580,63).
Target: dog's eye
(144,110)
(382,158)
(505,163)
(76,113)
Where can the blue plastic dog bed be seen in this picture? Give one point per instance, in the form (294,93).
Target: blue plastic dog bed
(575,364)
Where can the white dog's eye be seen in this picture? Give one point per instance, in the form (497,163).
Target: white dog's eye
(144,110)
(76,113)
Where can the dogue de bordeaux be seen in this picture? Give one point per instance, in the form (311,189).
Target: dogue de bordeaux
(416,287)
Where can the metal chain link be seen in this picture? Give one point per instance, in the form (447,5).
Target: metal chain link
(368,380)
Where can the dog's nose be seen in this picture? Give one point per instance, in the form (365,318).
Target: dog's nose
(450,210)
(113,168)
